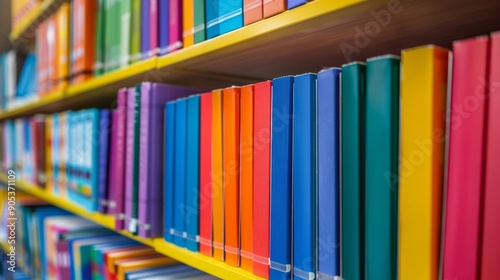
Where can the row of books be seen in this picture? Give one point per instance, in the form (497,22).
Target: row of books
(17,82)
(91,37)
(261,176)
(53,244)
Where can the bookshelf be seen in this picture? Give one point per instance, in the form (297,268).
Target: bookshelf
(211,64)
(196,260)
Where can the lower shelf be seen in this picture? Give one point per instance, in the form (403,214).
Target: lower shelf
(196,260)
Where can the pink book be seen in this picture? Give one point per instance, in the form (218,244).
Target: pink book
(129,159)
(175,24)
(117,163)
(153,28)
(490,258)
(465,159)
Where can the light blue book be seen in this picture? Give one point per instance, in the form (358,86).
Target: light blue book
(230,15)
(180,172)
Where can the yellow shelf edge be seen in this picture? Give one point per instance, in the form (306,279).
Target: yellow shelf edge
(28,20)
(94,83)
(291,17)
(196,260)
(51,97)
(202,262)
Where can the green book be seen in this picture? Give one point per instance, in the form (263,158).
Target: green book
(353,128)
(199,21)
(381,167)
(99,38)
(135,176)
(135,36)
(112,27)
(125,18)
(108,31)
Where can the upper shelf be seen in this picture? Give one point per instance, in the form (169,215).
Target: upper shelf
(196,260)
(319,34)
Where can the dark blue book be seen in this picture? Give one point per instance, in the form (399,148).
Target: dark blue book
(104,138)
(212,18)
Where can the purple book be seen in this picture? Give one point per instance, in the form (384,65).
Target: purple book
(104,127)
(111,204)
(63,262)
(117,158)
(129,159)
(145,32)
(153,99)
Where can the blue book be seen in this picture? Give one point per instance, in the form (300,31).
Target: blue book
(281,179)
(329,173)
(3,84)
(104,135)
(180,172)
(145,32)
(27,74)
(55,154)
(230,15)
(163,27)
(168,212)
(212,18)
(28,154)
(192,212)
(295,3)
(304,179)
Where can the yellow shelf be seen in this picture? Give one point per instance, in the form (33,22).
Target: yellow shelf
(34,107)
(26,26)
(196,260)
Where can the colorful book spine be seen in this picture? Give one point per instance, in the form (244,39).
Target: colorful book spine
(104,133)
(295,3)
(132,106)
(206,174)
(305,178)
(381,160)
(490,247)
(281,179)
(164,27)
(48,152)
(329,173)
(135,34)
(63,30)
(199,21)
(252,11)
(64,152)
(169,171)
(230,15)
(83,39)
(153,28)
(424,74)
(352,153)
(145,32)
(246,177)
(212,18)
(230,159)
(100,38)
(110,204)
(136,159)
(125,32)
(465,159)
(52,53)
(273,7)
(261,177)
(188,22)
(217,176)
(192,173)
(175,25)
(180,172)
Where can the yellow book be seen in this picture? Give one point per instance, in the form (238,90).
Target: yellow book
(423,109)
(127,253)
(188,22)
(217,177)
(48,153)
(63,45)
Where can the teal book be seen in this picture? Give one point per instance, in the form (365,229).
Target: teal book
(381,165)
(99,37)
(135,175)
(199,21)
(352,161)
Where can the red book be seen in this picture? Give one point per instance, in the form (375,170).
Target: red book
(206,174)
(83,36)
(465,159)
(490,259)
(261,177)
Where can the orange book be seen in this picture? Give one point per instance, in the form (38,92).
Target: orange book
(52,51)
(217,172)
(42,57)
(110,258)
(143,264)
(246,176)
(274,7)
(188,22)
(252,11)
(83,47)
(231,154)
(62,45)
